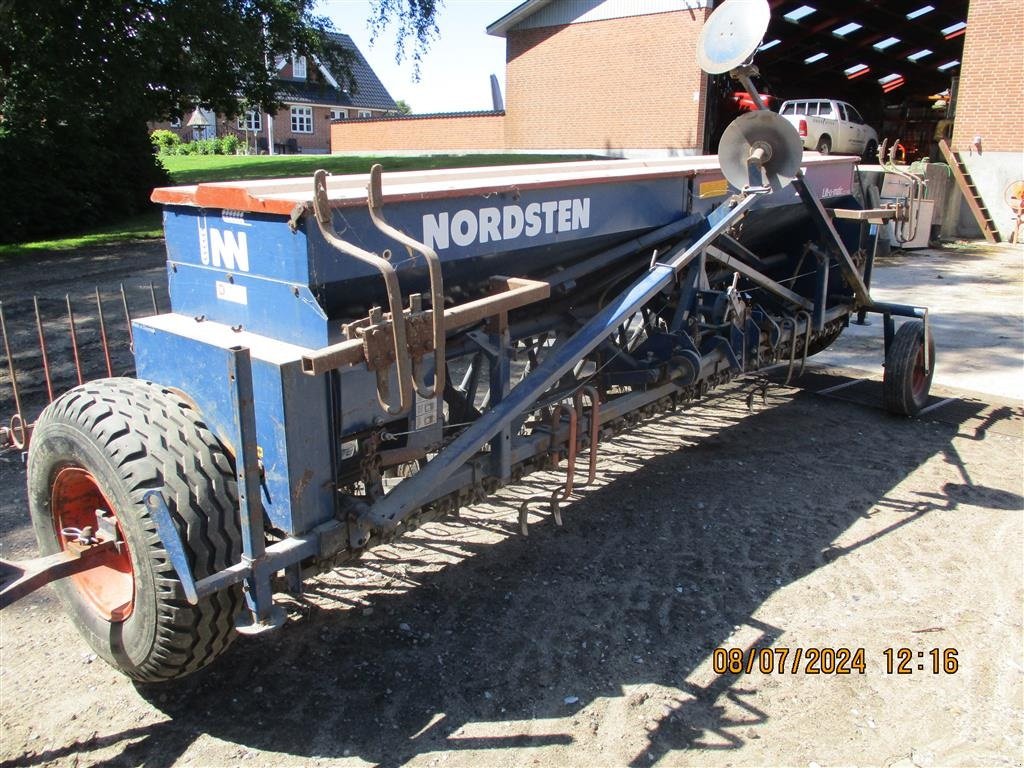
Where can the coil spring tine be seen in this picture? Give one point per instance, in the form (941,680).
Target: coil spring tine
(595,426)
(128,319)
(103,333)
(10,362)
(792,348)
(152,296)
(570,470)
(74,338)
(42,349)
(807,342)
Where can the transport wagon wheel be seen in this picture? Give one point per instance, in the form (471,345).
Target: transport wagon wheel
(102,446)
(906,382)
(824,145)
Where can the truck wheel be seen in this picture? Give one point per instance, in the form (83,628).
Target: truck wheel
(906,382)
(871,152)
(824,145)
(102,446)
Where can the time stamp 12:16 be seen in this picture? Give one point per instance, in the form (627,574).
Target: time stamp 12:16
(832,661)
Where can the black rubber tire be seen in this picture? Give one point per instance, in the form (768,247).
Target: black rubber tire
(824,145)
(134,436)
(871,153)
(905,384)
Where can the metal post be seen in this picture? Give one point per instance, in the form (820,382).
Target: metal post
(500,383)
(258,594)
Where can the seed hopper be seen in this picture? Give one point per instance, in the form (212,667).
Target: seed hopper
(348,357)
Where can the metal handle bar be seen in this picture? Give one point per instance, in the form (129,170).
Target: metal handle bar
(322,212)
(375,200)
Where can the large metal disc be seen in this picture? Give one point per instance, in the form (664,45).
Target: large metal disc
(731,34)
(769,138)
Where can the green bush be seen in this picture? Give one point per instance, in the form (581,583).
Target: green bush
(65,177)
(229,144)
(165,142)
(225,145)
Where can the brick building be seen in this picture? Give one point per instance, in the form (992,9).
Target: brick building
(990,104)
(620,77)
(592,63)
(312,96)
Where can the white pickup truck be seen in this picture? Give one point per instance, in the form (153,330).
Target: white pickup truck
(828,126)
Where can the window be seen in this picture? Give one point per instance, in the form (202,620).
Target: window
(302,119)
(842,111)
(365,113)
(825,109)
(339,114)
(812,109)
(175,122)
(299,67)
(789,109)
(250,121)
(853,115)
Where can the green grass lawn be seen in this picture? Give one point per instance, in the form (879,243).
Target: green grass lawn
(194,169)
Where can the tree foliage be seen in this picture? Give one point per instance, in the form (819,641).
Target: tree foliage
(80,80)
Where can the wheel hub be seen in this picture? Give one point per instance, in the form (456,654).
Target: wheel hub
(109,588)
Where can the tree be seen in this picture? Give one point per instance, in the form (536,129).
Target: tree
(80,80)
(402,107)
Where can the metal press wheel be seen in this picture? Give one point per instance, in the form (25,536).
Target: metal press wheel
(101,447)
(906,381)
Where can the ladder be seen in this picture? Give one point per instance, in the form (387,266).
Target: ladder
(970,192)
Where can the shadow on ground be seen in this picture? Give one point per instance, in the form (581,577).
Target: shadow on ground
(499,636)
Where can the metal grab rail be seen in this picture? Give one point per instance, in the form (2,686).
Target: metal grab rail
(322,213)
(375,200)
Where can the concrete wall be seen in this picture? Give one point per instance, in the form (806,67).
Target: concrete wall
(607,86)
(441,133)
(990,104)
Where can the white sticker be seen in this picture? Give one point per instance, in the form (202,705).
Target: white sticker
(426,412)
(232,292)
(234,217)
(349,449)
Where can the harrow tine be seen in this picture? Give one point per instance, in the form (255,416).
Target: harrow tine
(128,319)
(74,339)
(10,362)
(103,333)
(42,349)
(152,296)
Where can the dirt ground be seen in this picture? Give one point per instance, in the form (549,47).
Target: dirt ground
(817,521)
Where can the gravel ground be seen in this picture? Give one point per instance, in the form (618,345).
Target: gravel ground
(817,521)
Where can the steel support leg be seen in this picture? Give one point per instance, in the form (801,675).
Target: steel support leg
(258,594)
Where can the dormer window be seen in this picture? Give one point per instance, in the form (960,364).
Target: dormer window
(299,67)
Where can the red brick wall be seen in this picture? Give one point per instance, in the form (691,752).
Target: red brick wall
(452,133)
(319,139)
(991,92)
(618,83)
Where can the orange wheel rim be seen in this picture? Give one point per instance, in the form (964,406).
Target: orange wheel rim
(109,588)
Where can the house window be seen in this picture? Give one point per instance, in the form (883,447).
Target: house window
(365,113)
(339,114)
(302,119)
(299,67)
(175,122)
(250,121)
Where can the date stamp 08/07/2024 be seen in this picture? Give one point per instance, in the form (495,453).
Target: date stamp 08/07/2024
(832,661)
